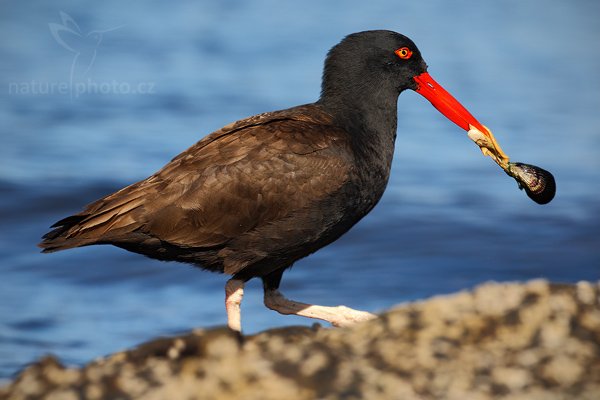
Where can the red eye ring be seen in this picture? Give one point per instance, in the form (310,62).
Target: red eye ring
(404,53)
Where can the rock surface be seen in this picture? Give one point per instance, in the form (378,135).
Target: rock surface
(501,341)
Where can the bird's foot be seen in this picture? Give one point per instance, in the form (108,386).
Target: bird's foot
(346,316)
(340,316)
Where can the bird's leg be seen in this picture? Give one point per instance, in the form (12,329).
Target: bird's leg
(234,291)
(337,316)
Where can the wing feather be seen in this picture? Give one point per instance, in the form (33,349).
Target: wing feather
(247,175)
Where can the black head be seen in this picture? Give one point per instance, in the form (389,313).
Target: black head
(366,72)
(371,64)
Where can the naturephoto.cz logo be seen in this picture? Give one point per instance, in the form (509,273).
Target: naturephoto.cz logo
(83,48)
(76,89)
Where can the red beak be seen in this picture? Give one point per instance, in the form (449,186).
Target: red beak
(446,104)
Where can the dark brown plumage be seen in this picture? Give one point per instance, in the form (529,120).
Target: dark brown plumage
(255,196)
(221,204)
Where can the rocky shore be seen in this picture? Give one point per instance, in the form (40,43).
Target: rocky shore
(501,341)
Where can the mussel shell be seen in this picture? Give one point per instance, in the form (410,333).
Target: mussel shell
(538,183)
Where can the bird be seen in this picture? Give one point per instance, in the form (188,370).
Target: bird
(259,194)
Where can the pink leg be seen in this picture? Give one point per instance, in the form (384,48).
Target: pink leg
(337,316)
(234,291)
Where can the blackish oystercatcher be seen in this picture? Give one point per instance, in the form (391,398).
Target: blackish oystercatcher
(259,194)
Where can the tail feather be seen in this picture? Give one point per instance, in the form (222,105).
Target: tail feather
(68,221)
(57,238)
(100,221)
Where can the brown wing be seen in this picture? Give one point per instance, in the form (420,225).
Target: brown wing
(243,177)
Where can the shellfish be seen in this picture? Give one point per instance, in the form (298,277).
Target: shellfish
(538,183)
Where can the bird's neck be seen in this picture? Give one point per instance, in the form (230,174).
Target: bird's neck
(370,121)
(368,114)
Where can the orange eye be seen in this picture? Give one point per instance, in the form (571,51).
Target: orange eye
(404,53)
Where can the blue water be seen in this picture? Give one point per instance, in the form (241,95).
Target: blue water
(165,74)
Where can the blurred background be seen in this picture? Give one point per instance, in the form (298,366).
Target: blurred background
(95,96)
